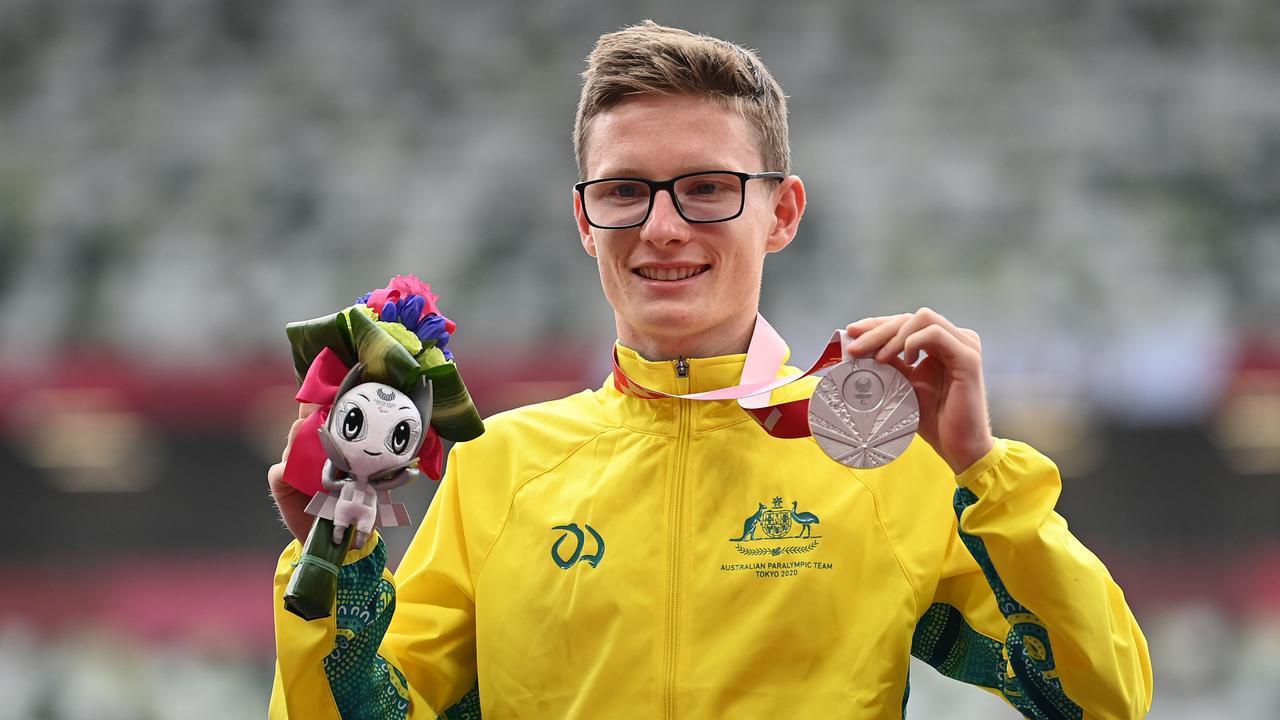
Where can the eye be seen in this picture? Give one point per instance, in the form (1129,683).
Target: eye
(706,190)
(624,191)
(401,434)
(709,188)
(353,423)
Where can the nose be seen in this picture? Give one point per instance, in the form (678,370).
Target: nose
(664,225)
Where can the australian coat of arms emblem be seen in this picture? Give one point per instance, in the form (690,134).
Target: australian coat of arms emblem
(770,524)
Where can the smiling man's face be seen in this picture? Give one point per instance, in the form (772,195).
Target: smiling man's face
(682,289)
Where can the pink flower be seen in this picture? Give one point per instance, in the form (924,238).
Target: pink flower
(401,287)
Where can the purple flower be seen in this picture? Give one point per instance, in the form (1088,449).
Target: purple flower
(410,311)
(434,327)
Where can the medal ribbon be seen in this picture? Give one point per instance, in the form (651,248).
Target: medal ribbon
(765,356)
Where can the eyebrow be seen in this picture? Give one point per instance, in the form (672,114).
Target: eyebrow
(404,407)
(366,397)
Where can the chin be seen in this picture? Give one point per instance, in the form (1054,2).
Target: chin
(671,323)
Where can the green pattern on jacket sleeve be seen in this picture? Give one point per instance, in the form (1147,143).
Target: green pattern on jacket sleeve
(364,685)
(1032,686)
(944,640)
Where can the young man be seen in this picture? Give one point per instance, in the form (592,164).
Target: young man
(589,557)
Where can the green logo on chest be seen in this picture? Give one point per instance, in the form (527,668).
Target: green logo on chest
(572,531)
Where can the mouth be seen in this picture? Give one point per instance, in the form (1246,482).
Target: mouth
(375,454)
(670,273)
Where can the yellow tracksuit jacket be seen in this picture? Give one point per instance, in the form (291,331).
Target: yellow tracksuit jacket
(604,556)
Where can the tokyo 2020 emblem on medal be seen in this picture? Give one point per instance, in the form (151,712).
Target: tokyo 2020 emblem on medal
(864,413)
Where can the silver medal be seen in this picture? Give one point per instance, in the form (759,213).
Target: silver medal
(864,413)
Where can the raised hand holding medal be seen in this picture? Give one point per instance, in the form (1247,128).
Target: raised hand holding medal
(947,382)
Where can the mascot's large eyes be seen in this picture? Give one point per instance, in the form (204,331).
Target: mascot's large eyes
(353,423)
(400,437)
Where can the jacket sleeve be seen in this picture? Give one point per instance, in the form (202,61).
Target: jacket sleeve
(1024,609)
(387,652)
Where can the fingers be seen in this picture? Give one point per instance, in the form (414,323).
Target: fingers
(886,336)
(293,432)
(938,342)
(920,320)
(865,324)
(900,365)
(872,333)
(304,412)
(275,474)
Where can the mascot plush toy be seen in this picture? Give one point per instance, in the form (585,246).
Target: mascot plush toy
(372,440)
(388,390)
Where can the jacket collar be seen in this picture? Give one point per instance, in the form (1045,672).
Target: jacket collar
(663,415)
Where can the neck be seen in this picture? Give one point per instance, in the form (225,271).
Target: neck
(728,340)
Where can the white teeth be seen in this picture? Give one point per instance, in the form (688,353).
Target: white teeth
(652,273)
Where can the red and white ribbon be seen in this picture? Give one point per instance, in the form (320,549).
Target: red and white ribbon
(765,357)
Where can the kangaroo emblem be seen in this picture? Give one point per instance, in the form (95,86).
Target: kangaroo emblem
(749,526)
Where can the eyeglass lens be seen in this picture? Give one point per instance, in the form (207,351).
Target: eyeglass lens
(707,197)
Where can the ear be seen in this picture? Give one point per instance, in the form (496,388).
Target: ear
(787,210)
(585,231)
(332,451)
(422,397)
(354,377)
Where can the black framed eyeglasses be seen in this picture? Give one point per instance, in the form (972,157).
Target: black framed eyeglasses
(703,197)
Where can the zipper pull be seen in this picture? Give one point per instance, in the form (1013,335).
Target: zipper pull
(682,367)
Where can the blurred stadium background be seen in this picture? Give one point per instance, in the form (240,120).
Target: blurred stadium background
(1094,186)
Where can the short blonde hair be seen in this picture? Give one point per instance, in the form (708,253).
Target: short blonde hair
(650,59)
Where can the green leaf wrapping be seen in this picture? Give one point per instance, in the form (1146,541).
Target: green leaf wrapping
(308,337)
(354,338)
(312,588)
(384,358)
(453,414)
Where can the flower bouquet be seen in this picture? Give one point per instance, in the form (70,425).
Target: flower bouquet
(388,390)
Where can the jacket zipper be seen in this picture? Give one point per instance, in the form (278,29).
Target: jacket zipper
(673,558)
